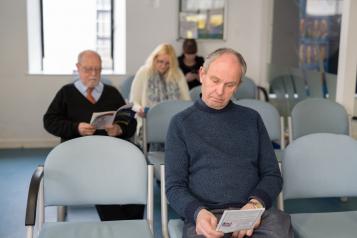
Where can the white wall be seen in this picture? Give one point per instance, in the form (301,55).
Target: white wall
(25,98)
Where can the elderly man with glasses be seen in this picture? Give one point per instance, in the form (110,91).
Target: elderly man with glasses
(70,112)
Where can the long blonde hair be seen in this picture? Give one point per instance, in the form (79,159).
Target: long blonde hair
(173,73)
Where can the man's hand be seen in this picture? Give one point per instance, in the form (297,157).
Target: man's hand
(206,224)
(86,129)
(113,130)
(141,113)
(249,233)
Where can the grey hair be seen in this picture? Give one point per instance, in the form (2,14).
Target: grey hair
(221,51)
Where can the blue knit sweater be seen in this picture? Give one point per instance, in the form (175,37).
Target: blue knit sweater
(219,159)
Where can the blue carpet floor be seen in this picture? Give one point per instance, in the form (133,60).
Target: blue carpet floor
(17,166)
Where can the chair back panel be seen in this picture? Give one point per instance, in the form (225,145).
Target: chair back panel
(314,82)
(320,165)
(95,170)
(318,115)
(158,119)
(268,113)
(125,87)
(247,89)
(195,93)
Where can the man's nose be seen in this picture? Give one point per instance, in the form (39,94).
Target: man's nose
(220,89)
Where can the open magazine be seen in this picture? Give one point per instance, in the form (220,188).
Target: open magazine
(102,119)
(236,220)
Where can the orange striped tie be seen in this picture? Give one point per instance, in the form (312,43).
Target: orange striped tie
(90,96)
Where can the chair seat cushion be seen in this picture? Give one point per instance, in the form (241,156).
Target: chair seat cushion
(175,228)
(324,225)
(108,229)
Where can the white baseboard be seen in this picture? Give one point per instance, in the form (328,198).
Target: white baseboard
(28,143)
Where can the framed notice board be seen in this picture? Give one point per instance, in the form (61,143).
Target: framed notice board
(202,19)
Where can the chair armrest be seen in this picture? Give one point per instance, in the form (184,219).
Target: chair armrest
(30,218)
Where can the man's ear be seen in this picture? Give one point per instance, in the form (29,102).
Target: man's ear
(201,73)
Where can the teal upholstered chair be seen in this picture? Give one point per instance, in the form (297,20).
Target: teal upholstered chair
(156,124)
(125,87)
(274,124)
(321,165)
(318,115)
(246,89)
(195,93)
(86,171)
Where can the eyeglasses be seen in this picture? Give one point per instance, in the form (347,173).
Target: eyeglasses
(91,69)
(166,63)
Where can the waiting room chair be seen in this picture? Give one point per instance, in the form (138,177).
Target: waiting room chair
(125,87)
(318,115)
(195,93)
(321,165)
(246,89)
(274,124)
(156,124)
(86,171)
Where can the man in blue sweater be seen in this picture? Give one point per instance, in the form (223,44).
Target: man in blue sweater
(219,156)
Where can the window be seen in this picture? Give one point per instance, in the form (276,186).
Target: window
(67,27)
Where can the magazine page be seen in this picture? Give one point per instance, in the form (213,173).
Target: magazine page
(102,119)
(235,220)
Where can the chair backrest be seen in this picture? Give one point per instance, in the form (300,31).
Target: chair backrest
(126,86)
(320,165)
(314,82)
(247,89)
(268,113)
(95,170)
(158,119)
(318,115)
(195,93)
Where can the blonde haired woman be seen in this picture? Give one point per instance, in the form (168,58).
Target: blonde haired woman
(158,80)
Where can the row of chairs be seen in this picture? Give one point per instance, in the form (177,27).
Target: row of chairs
(105,170)
(290,85)
(312,115)
(64,163)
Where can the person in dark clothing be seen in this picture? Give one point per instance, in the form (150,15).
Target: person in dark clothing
(190,63)
(218,156)
(70,112)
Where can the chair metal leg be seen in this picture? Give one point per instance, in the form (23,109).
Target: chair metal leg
(29,231)
(61,213)
(164,212)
